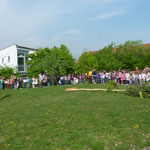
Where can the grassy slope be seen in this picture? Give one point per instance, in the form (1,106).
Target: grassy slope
(50,118)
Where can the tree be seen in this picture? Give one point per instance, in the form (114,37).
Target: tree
(86,62)
(57,60)
(128,56)
(106,58)
(131,55)
(6,72)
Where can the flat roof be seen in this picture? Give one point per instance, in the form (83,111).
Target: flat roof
(18,46)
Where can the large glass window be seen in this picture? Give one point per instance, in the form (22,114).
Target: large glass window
(22,58)
(22,52)
(21,66)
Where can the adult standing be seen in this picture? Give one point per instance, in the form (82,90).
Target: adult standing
(40,79)
(12,83)
(28,81)
(90,76)
(1,83)
(20,83)
(24,83)
(94,76)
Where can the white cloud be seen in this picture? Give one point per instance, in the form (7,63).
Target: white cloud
(73,32)
(108,15)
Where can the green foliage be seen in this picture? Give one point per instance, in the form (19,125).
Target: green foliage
(86,62)
(136,89)
(106,58)
(6,72)
(128,56)
(146,88)
(132,54)
(57,60)
(111,85)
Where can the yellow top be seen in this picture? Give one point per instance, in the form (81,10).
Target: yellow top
(90,74)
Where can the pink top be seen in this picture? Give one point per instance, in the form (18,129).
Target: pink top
(123,76)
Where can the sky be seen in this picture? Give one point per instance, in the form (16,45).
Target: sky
(79,24)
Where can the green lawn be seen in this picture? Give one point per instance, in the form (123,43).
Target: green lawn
(53,119)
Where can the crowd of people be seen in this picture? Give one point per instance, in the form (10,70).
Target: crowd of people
(120,77)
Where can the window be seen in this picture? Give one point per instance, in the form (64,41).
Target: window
(22,58)
(21,64)
(2,60)
(8,59)
(22,53)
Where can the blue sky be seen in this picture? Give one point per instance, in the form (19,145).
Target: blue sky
(79,24)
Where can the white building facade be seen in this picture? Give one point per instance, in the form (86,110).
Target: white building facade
(15,56)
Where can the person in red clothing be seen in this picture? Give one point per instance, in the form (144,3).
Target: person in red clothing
(8,83)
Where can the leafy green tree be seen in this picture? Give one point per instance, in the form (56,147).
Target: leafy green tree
(106,58)
(6,72)
(57,60)
(147,57)
(131,55)
(128,56)
(86,62)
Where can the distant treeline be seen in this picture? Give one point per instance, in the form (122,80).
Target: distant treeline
(127,56)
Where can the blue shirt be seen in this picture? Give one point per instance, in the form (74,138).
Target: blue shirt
(28,80)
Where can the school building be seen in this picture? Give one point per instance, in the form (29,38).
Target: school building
(15,56)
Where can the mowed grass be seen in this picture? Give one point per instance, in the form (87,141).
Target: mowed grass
(53,119)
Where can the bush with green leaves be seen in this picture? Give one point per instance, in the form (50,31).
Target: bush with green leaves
(6,72)
(135,90)
(111,85)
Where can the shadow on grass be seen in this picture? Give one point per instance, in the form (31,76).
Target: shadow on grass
(5,96)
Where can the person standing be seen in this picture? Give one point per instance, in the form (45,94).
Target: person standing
(94,76)
(69,79)
(65,80)
(128,78)
(40,79)
(14,78)
(28,81)
(44,81)
(12,83)
(1,83)
(99,77)
(90,76)
(122,77)
(20,83)
(24,83)
(36,82)
(8,83)
(33,82)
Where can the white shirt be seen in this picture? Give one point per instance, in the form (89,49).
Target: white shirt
(24,80)
(127,76)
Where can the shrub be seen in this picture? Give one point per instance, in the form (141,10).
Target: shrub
(6,72)
(136,89)
(111,85)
